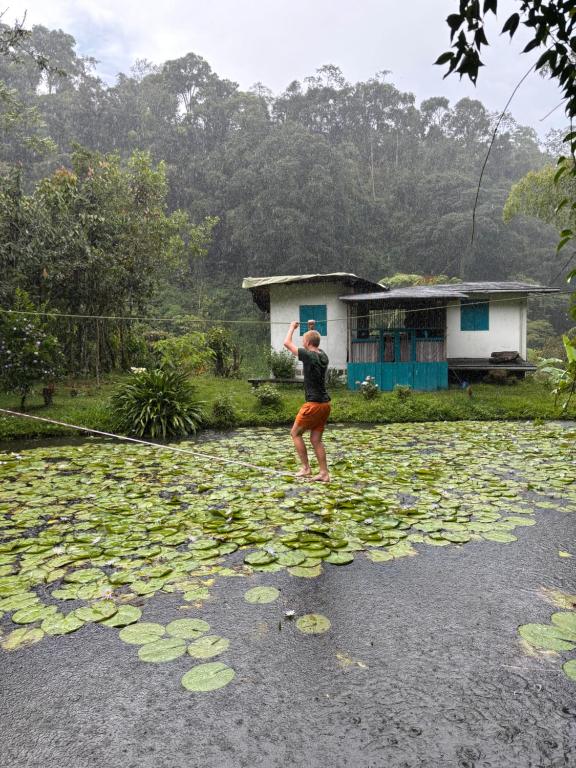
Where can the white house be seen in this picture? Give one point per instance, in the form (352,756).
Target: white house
(413,335)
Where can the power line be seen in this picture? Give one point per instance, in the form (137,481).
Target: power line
(221,321)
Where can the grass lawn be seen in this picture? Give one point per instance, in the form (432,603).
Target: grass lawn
(90,408)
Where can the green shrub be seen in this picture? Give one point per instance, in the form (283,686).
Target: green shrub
(282,364)
(267,395)
(28,352)
(223,412)
(402,391)
(227,357)
(160,403)
(368,388)
(335,378)
(189,352)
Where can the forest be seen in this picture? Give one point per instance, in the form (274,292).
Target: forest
(157,194)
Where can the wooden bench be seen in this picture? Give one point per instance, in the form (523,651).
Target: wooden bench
(256,382)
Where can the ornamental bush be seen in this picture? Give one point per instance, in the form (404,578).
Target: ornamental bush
(402,391)
(267,395)
(368,388)
(223,412)
(282,364)
(160,403)
(189,352)
(28,353)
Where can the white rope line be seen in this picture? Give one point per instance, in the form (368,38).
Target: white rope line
(146,442)
(209,321)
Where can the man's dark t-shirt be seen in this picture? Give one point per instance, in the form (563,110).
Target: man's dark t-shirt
(315,366)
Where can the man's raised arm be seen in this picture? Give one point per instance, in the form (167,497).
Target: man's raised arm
(288,343)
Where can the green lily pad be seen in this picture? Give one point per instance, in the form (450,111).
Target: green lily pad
(545,636)
(30,614)
(97,611)
(187,629)
(305,573)
(22,638)
(569,669)
(208,677)
(198,593)
(60,624)
(291,558)
(313,624)
(162,650)
(566,623)
(208,646)
(21,600)
(499,536)
(85,575)
(259,558)
(402,550)
(261,595)
(379,555)
(340,558)
(124,616)
(141,633)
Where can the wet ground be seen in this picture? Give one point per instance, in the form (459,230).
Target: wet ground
(422,668)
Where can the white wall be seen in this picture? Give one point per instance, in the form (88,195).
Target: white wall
(506,328)
(285,301)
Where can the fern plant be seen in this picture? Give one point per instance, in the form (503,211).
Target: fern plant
(160,403)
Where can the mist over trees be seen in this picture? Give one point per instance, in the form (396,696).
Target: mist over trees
(328,175)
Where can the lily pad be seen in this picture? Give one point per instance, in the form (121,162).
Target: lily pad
(379,555)
(187,629)
(60,624)
(30,614)
(162,650)
(208,646)
(259,558)
(141,633)
(566,623)
(22,638)
(313,624)
(569,669)
(340,558)
(208,677)
(291,558)
(124,616)
(499,536)
(261,595)
(305,573)
(97,611)
(545,636)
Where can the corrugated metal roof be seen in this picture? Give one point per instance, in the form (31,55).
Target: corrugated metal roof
(450,291)
(347,277)
(260,286)
(498,287)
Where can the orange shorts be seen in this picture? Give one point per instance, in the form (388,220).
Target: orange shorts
(313,415)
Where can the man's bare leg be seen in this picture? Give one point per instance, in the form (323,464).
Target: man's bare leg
(316,439)
(296,435)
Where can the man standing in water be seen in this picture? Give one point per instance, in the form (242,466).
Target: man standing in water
(315,411)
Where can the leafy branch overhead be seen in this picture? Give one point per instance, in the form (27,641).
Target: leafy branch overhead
(552,26)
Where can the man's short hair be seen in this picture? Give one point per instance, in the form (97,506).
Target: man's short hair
(312,337)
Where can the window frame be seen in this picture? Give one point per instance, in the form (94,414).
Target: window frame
(474,314)
(321,318)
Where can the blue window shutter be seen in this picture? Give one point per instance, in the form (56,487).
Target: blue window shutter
(315,312)
(474,315)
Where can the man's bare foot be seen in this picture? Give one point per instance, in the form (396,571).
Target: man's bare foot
(304,472)
(322,477)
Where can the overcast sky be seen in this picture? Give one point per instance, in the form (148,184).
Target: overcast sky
(277,41)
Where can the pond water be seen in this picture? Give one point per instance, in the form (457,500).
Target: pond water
(137,548)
